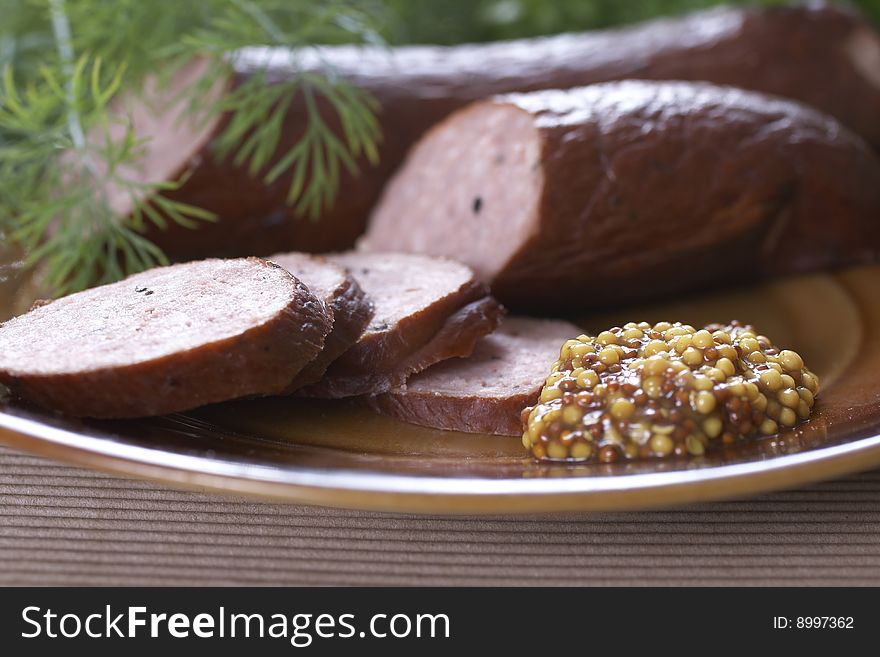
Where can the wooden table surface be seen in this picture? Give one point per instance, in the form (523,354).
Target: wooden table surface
(61,525)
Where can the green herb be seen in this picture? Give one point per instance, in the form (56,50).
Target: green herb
(64,60)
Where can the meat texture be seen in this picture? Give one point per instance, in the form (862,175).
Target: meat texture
(426,310)
(165,340)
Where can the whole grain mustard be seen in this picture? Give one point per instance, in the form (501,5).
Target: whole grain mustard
(643,391)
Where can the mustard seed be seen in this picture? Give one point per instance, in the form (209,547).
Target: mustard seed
(749,345)
(716,374)
(722,337)
(788,397)
(655,347)
(694,446)
(769,427)
(806,395)
(803,410)
(655,366)
(705,402)
(725,365)
(608,454)
(622,409)
(557,451)
(587,379)
(791,360)
(712,427)
(681,343)
(581,349)
(692,356)
(787,417)
(771,380)
(609,356)
(811,382)
(661,444)
(703,383)
(606,338)
(703,339)
(549,393)
(653,386)
(572,414)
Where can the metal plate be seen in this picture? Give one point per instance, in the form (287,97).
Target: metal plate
(341,454)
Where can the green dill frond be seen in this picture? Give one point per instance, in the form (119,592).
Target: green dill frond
(258,106)
(67,197)
(55,189)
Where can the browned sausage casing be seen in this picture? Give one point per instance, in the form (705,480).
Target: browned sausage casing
(828,57)
(617,192)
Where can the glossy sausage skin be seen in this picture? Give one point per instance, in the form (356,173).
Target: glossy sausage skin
(625,191)
(824,56)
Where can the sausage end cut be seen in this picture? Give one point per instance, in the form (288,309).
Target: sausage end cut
(564,200)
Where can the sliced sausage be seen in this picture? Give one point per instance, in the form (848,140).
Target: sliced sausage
(426,310)
(826,56)
(349,305)
(621,191)
(486,392)
(165,340)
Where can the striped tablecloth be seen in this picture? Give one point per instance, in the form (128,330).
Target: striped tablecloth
(62,525)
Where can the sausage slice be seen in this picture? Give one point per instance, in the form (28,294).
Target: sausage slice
(426,310)
(486,392)
(621,191)
(165,340)
(350,307)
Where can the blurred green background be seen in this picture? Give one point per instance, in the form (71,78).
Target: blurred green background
(456,21)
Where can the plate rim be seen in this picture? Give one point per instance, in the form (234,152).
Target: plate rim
(392,492)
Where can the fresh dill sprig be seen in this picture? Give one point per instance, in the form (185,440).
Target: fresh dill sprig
(257,107)
(65,171)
